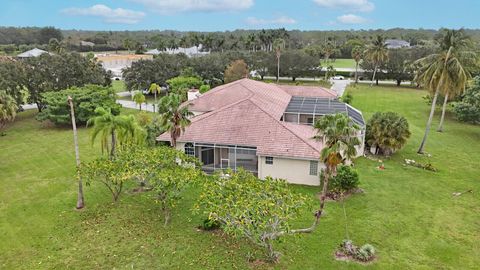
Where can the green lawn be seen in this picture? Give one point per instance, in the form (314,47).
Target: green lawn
(118,86)
(340,63)
(409,215)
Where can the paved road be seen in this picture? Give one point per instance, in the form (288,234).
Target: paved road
(339,86)
(132,105)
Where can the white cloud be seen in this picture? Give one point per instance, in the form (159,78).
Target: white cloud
(166,6)
(353,5)
(278,20)
(351,19)
(109,15)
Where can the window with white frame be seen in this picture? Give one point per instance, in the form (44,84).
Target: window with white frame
(269,160)
(313,167)
(189,149)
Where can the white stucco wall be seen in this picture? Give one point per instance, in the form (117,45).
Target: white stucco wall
(295,171)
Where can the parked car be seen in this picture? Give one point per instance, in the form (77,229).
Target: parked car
(338,77)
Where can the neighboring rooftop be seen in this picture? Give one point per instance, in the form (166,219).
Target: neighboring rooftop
(35,52)
(397,43)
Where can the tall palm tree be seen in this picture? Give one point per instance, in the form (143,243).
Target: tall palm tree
(122,129)
(377,53)
(139,98)
(357,54)
(339,136)
(154,89)
(461,45)
(174,118)
(440,73)
(8,108)
(279,45)
(80,198)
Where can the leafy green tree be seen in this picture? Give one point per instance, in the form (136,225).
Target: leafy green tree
(235,71)
(377,53)
(468,109)
(121,129)
(167,172)
(13,79)
(357,55)
(56,46)
(397,67)
(297,64)
(181,84)
(139,98)
(339,136)
(8,109)
(174,118)
(443,70)
(387,131)
(261,62)
(259,210)
(87,99)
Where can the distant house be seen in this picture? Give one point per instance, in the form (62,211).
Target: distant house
(86,43)
(153,52)
(32,53)
(116,62)
(264,128)
(397,44)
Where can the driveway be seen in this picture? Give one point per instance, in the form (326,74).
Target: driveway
(339,86)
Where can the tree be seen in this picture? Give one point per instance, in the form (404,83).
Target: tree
(377,53)
(259,210)
(122,129)
(56,46)
(13,79)
(297,63)
(262,63)
(397,67)
(387,131)
(139,98)
(235,71)
(181,84)
(174,118)
(167,172)
(328,49)
(154,89)
(441,71)
(80,200)
(279,45)
(467,58)
(357,55)
(87,100)
(468,109)
(8,109)
(339,136)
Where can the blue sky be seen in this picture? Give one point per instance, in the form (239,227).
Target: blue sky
(218,15)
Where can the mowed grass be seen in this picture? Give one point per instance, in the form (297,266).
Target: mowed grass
(408,214)
(339,63)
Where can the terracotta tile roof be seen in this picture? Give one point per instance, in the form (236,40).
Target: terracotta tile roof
(245,123)
(248,113)
(308,91)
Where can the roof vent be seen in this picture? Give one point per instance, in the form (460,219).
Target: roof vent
(193,94)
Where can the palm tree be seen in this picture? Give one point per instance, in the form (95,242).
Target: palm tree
(440,73)
(174,118)
(8,108)
(279,45)
(357,54)
(339,136)
(123,129)
(154,88)
(461,45)
(139,98)
(377,53)
(80,200)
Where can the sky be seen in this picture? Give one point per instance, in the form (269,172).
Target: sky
(221,15)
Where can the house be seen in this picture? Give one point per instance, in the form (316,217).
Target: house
(86,43)
(397,44)
(264,128)
(32,53)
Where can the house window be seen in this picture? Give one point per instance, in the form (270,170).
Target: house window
(269,160)
(313,167)
(189,149)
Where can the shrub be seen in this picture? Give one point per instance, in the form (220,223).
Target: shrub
(365,253)
(346,179)
(347,98)
(468,110)
(388,131)
(85,99)
(210,224)
(204,88)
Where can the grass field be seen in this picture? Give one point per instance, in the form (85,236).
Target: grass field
(340,63)
(118,86)
(408,214)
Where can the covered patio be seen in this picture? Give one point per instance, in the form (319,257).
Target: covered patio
(220,157)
